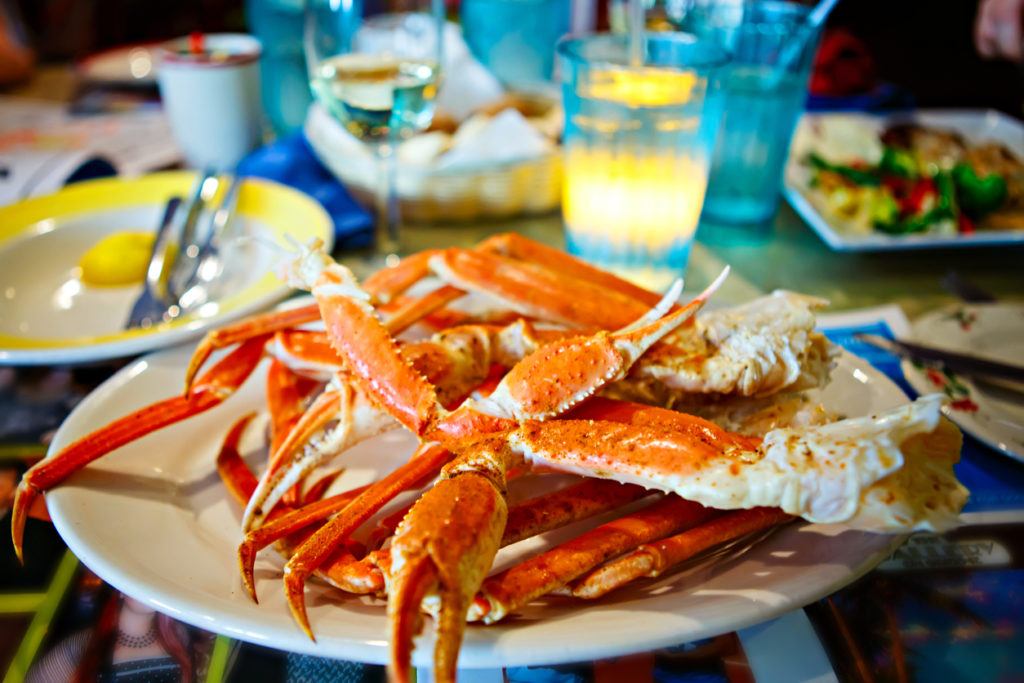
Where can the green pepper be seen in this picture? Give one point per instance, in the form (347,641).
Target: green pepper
(978,196)
(946,203)
(854,175)
(945,208)
(920,223)
(885,210)
(898,162)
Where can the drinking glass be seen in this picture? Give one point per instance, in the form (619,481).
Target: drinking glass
(279,26)
(772,50)
(638,143)
(375,67)
(516,39)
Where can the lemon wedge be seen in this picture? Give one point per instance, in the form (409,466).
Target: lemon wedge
(118,259)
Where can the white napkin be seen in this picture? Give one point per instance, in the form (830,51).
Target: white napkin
(466,84)
(504,137)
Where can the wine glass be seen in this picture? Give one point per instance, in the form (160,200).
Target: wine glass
(374,65)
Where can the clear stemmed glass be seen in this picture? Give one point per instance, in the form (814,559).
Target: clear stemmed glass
(375,65)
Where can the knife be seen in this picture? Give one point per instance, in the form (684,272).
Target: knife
(963,363)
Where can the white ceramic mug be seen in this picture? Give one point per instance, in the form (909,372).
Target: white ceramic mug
(212,98)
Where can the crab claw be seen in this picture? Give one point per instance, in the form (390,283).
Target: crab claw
(446,544)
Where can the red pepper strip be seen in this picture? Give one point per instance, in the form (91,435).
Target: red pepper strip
(195,43)
(924,188)
(964,224)
(896,184)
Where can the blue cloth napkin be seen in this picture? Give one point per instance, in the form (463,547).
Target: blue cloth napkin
(996,481)
(290,161)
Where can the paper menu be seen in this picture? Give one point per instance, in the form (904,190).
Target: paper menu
(42,145)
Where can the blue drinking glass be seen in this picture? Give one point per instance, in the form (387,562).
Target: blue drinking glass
(765,86)
(516,39)
(285,83)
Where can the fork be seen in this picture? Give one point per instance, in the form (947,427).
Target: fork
(153,303)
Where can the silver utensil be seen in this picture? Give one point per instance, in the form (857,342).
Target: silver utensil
(993,371)
(159,299)
(154,301)
(199,287)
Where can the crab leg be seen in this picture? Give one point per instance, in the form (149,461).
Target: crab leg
(211,390)
(653,559)
(538,387)
(424,465)
(531,517)
(567,505)
(418,309)
(501,264)
(454,361)
(536,291)
(236,475)
(260,326)
(516,246)
(287,394)
(285,525)
(473,514)
(543,573)
(299,454)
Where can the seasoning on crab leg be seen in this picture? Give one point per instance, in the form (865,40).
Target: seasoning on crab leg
(210,390)
(654,558)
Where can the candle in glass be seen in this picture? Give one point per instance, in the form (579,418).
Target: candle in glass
(637,145)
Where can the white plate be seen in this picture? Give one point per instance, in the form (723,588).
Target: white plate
(153,520)
(48,316)
(991,414)
(975,125)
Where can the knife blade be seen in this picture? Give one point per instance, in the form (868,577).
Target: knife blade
(956,362)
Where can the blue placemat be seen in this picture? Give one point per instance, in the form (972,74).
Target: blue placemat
(996,482)
(290,161)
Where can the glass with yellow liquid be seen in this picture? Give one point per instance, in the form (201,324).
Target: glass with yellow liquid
(638,141)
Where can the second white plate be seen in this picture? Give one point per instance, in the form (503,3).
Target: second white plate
(990,413)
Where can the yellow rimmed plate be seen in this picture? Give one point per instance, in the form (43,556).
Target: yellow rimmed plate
(49,316)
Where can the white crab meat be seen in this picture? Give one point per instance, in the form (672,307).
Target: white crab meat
(762,347)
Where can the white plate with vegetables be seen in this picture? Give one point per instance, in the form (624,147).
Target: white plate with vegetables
(72,264)
(939,178)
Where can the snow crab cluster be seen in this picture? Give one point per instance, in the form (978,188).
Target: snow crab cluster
(551,366)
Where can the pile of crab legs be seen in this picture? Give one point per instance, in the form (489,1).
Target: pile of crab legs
(489,401)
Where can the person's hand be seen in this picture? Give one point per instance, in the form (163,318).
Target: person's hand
(997,28)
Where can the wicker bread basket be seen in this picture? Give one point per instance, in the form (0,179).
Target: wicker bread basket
(500,189)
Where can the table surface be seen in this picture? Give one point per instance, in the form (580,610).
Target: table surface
(794,258)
